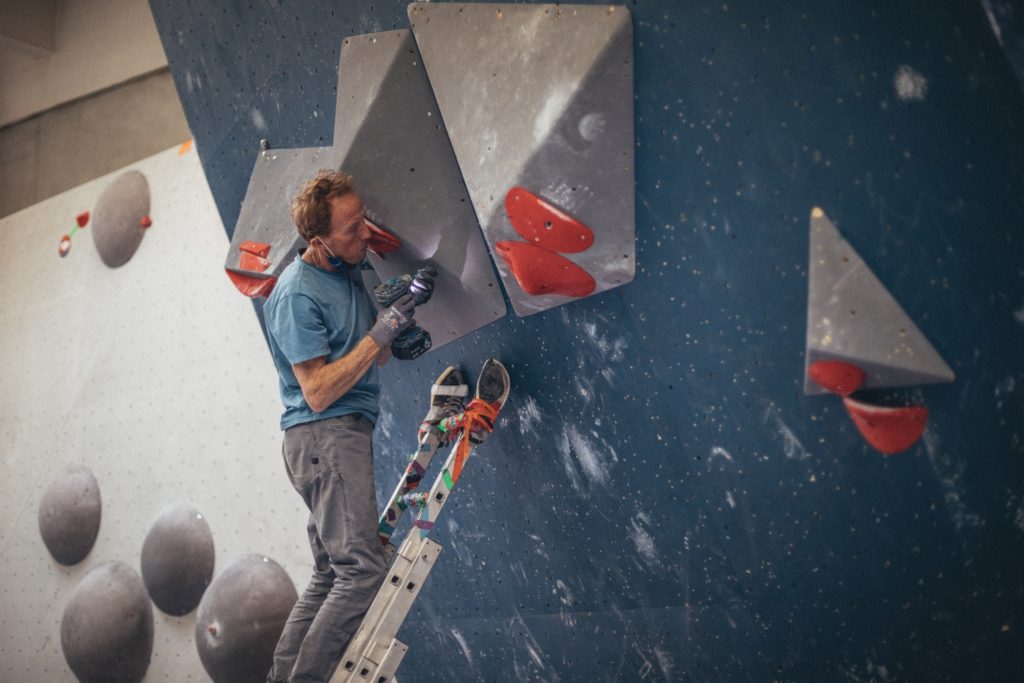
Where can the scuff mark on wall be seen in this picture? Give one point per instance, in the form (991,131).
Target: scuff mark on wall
(528,415)
(793,449)
(463,645)
(582,457)
(993,22)
(642,539)
(910,85)
(948,474)
(258,121)
(719,452)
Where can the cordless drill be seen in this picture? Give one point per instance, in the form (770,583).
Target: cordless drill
(414,341)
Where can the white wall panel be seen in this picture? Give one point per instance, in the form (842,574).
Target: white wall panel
(153,375)
(96,44)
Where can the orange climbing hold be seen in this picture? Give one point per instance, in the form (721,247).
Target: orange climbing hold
(145,221)
(185,147)
(539,271)
(890,430)
(837,376)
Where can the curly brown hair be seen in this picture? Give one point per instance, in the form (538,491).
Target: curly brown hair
(311,208)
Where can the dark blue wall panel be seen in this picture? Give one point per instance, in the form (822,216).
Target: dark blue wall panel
(661,502)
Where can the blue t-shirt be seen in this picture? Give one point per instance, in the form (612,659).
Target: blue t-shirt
(313,313)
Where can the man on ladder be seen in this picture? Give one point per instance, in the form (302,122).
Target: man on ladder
(327,347)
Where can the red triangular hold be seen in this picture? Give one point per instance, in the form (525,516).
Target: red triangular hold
(82,219)
(539,271)
(381,241)
(836,376)
(544,225)
(890,430)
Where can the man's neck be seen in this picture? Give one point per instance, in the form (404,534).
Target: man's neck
(314,258)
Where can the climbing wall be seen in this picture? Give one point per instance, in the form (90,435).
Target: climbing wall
(139,429)
(662,501)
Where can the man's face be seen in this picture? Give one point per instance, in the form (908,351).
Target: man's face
(349,233)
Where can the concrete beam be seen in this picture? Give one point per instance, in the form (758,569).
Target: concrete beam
(31,25)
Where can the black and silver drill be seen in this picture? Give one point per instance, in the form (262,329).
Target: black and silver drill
(415,341)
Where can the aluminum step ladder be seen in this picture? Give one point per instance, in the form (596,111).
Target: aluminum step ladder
(374,653)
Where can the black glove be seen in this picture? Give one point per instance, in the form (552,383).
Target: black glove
(393,320)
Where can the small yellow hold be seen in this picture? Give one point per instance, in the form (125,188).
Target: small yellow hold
(1005,628)
(817,213)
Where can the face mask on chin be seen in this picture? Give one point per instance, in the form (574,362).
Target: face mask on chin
(333,260)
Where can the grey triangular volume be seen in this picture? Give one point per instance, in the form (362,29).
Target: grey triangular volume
(265,217)
(852,317)
(540,96)
(389,135)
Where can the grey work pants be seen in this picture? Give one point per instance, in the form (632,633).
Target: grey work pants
(330,464)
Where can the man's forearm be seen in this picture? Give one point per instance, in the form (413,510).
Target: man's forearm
(331,381)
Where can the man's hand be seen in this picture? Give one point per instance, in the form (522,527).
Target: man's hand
(393,320)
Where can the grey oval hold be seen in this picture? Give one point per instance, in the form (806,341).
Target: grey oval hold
(177,559)
(69,514)
(107,628)
(116,225)
(240,618)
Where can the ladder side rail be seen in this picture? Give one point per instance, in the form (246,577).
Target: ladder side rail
(418,464)
(370,633)
(373,656)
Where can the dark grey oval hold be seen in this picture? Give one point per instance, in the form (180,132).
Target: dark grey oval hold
(116,224)
(240,618)
(177,559)
(107,628)
(69,514)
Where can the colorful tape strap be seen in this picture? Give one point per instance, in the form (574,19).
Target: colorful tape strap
(413,500)
(413,475)
(423,523)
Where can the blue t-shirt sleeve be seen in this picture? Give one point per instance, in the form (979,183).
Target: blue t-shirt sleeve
(298,328)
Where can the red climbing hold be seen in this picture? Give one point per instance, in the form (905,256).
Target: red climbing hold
(261,249)
(890,430)
(65,246)
(252,256)
(836,376)
(545,225)
(381,242)
(146,221)
(252,287)
(251,262)
(82,219)
(539,271)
